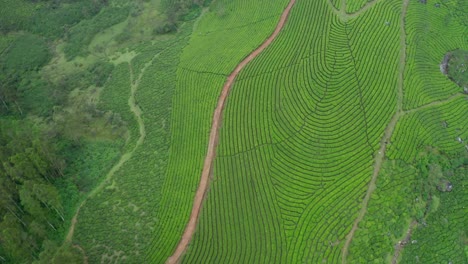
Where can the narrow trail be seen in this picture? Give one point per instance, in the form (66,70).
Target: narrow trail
(213,140)
(343,15)
(126,156)
(435,103)
(380,155)
(399,246)
(85,258)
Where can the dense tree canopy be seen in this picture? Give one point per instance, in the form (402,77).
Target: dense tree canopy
(30,205)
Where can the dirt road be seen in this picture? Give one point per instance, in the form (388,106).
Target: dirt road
(213,140)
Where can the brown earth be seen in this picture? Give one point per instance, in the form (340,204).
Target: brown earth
(213,140)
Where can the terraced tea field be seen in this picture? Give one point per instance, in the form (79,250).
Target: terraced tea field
(309,153)
(151,88)
(305,133)
(300,133)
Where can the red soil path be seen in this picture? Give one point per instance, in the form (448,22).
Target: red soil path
(213,141)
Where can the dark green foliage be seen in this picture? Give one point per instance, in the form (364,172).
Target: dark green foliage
(18,66)
(81,35)
(178,11)
(443,237)
(21,87)
(94,75)
(38,96)
(193,12)
(42,176)
(458,10)
(100,72)
(458,67)
(405,193)
(54,20)
(47,166)
(49,18)
(85,162)
(167,27)
(15,14)
(28,52)
(30,206)
(52,253)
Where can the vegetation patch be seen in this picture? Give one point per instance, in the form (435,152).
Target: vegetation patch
(441,236)
(48,18)
(106,105)
(31,206)
(455,66)
(410,202)
(81,35)
(27,52)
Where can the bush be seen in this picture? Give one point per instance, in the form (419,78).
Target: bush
(81,35)
(28,52)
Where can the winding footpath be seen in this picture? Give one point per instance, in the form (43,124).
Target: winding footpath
(380,155)
(135,109)
(213,140)
(345,16)
(399,246)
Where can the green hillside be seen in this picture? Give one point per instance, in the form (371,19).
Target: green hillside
(233,131)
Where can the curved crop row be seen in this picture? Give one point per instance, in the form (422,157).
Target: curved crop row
(222,37)
(436,234)
(432,32)
(116,224)
(355,5)
(444,127)
(299,133)
(388,216)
